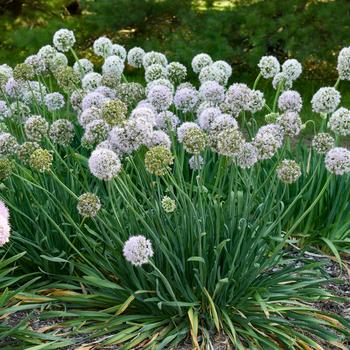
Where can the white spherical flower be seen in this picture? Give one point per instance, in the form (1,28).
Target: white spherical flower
(186,99)
(212,73)
(145,114)
(93,99)
(269,66)
(196,162)
(160,97)
(224,66)
(222,122)
(5,111)
(14,88)
(37,63)
(154,72)
(102,46)
(288,171)
(8,145)
(118,50)
(290,101)
(47,54)
(183,128)
(162,81)
(58,61)
(5,230)
(64,40)
(62,132)
(6,72)
(268,140)
(176,72)
(200,61)
(208,116)
(281,79)
(166,120)
(229,142)
(138,250)
(325,100)
(106,92)
(113,65)
(36,128)
(159,138)
(135,57)
(238,97)
(91,81)
(88,115)
(292,69)
(154,57)
(104,164)
(95,132)
(323,142)
(343,65)
(247,156)
(256,101)
(339,122)
(337,161)
(54,101)
(290,122)
(83,66)
(212,91)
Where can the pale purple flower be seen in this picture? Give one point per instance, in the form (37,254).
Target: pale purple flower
(208,116)
(290,101)
(269,66)
(183,128)
(138,250)
(160,97)
(200,61)
(337,161)
(104,164)
(212,91)
(186,99)
(54,101)
(325,100)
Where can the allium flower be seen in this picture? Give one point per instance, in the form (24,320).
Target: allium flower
(194,140)
(290,101)
(158,160)
(212,91)
(6,72)
(268,140)
(159,138)
(222,122)
(95,132)
(168,204)
(186,99)
(337,161)
(144,113)
(41,160)
(238,97)
(130,93)
(8,145)
(176,72)
(23,71)
(269,66)
(135,57)
(36,127)
(62,132)
(183,128)
(26,149)
(214,74)
(256,101)
(339,122)
(166,120)
(102,46)
(104,164)
(47,53)
(13,88)
(290,122)
(292,69)
(160,97)
(83,66)
(64,40)
(196,162)
(6,168)
(138,250)
(110,80)
(114,112)
(118,50)
(91,81)
(207,117)
(54,101)
(288,171)
(113,65)
(282,78)
(224,67)
(19,110)
(93,99)
(154,72)
(88,205)
(37,64)
(343,65)
(60,60)
(325,100)
(67,79)
(88,115)
(153,57)
(247,155)
(4,110)
(5,228)
(164,82)
(229,142)
(323,142)
(200,61)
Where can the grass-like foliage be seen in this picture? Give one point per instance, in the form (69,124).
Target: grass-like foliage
(163,212)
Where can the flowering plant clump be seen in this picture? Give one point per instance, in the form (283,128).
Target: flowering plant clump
(169,205)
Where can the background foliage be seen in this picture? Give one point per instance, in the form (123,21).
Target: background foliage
(239,31)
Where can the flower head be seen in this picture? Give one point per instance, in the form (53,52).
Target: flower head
(8,145)
(229,142)
(212,91)
(138,250)
(88,205)
(160,97)
(200,61)
(168,204)
(337,161)
(343,65)
(114,112)
(83,66)
(176,72)
(64,40)
(292,69)
(62,132)
(323,142)
(196,162)
(247,155)
(290,101)
(194,140)
(36,128)
(5,228)
(102,46)
(288,171)
(104,164)
(6,168)
(339,122)
(268,140)
(41,160)
(26,149)
(269,66)
(54,101)
(135,57)
(325,100)
(158,160)
(290,122)
(186,99)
